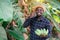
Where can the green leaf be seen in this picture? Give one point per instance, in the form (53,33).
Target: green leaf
(4,24)
(3,35)
(54,3)
(1,20)
(49,16)
(56,18)
(16,34)
(6,10)
(1,38)
(19,20)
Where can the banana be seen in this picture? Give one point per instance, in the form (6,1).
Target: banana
(38,32)
(41,32)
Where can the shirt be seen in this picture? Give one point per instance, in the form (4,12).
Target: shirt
(34,24)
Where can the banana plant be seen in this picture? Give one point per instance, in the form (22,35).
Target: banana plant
(49,11)
(6,16)
(6,10)
(17,33)
(3,35)
(54,3)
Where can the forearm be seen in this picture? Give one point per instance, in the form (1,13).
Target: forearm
(50,31)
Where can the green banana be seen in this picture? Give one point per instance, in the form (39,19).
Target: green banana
(41,31)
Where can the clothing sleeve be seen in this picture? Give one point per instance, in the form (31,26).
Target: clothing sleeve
(27,22)
(49,27)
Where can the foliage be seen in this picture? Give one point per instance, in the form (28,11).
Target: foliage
(3,35)
(8,12)
(16,33)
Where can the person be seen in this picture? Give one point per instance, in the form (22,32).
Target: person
(38,22)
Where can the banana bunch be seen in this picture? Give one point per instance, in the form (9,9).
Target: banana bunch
(41,32)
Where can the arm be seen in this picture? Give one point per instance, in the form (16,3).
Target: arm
(25,25)
(27,22)
(49,27)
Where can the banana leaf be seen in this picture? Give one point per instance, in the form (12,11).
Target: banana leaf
(6,10)
(3,35)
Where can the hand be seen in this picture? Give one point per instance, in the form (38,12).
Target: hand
(43,35)
(28,29)
(25,36)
